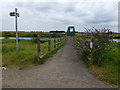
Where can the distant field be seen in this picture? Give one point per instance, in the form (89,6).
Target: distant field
(44,34)
(31,34)
(114,35)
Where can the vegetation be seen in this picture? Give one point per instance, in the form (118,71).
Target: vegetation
(27,55)
(42,61)
(31,34)
(110,69)
(114,35)
(24,58)
(103,58)
(57,31)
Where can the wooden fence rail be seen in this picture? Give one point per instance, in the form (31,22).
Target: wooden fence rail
(77,42)
(57,42)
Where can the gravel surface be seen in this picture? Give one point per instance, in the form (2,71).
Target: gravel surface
(62,70)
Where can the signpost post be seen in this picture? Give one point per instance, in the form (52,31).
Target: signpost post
(16,15)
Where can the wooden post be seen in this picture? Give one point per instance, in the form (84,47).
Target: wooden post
(63,40)
(49,45)
(54,43)
(59,41)
(38,46)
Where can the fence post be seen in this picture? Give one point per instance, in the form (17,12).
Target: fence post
(38,47)
(49,45)
(59,41)
(63,40)
(54,43)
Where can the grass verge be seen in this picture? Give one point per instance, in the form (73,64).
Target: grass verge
(109,71)
(27,55)
(42,60)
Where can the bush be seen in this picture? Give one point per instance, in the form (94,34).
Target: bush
(103,58)
(100,39)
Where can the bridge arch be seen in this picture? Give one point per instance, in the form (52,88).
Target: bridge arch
(69,32)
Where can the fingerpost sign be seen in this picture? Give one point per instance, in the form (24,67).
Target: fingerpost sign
(16,27)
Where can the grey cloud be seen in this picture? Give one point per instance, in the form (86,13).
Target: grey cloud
(65,13)
(20,4)
(99,19)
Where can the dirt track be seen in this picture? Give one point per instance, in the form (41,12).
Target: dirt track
(63,70)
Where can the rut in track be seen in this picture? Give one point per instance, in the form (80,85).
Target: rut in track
(63,70)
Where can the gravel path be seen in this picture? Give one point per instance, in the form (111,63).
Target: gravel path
(63,70)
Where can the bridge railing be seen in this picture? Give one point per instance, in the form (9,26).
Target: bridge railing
(52,44)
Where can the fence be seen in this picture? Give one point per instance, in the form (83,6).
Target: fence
(78,40)
(57,42)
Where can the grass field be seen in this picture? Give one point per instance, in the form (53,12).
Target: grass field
(31,34)
(27,55)
(114,35)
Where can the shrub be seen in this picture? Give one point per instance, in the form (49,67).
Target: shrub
(100,39)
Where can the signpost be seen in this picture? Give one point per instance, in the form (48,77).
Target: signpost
(16,15)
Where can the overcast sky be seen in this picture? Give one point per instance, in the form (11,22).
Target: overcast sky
(46,16)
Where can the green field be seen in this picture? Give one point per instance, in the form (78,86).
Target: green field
(26,56)
(31,34)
